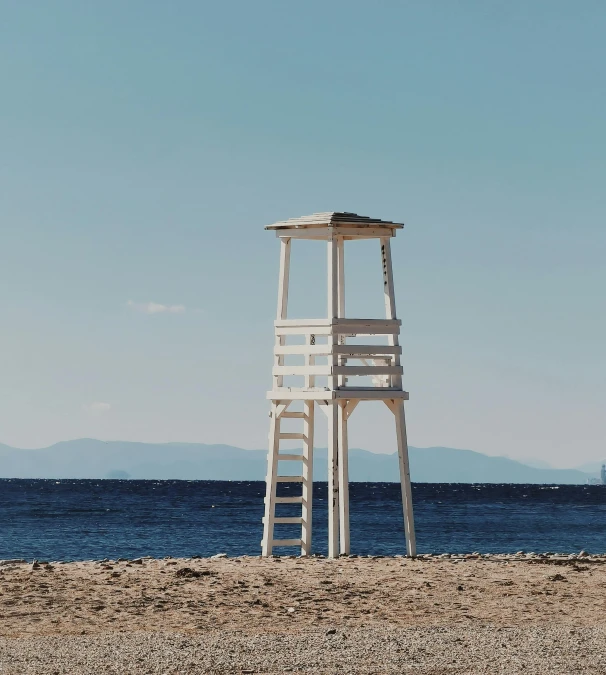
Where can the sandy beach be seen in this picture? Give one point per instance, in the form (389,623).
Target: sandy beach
(510,614)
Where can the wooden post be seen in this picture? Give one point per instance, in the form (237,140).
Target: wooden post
(282,310)
(342,416)
(270,482)
(390,301)
(333,479)
(409,523)
(398,406)
(308,477)
(343,481)
(341,277)
(333,411)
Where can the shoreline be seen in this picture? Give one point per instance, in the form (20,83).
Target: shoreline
(520,556)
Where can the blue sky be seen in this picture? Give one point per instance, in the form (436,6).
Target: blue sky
(144,146)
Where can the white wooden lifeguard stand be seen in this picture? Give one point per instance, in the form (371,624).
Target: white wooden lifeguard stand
(326,339)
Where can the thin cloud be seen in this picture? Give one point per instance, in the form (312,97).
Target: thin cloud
(155,308)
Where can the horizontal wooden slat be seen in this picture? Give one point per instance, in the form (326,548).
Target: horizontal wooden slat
(366,350)
(294,415)
(326,350)
(302,370)
(286,542)
(288,436)
(329,232)
(317,394)
(378,323)
(336,370)
(289,479)
(288,520)
(339,327)
(288,500)
(291,458)
(340,323)
(303,323)
(369,394)
(350,371)
(366,327)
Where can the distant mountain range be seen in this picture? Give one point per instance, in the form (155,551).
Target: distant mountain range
(89,458)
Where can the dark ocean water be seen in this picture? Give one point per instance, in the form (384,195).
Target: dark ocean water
(88,519)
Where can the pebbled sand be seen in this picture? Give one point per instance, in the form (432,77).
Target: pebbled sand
(357,615)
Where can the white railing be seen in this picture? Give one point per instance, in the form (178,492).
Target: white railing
(327,339)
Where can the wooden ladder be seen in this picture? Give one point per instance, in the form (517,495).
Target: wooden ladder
(279,411)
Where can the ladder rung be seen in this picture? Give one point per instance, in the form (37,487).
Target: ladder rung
(292,458)
(286,542)
(294,415)
(286,520)
(293,437)
(289,479)
(288,500)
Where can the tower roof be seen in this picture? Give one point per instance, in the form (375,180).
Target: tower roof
(333,219)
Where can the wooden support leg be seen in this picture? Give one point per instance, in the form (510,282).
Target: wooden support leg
(333,479)
(270,491)
(409,523)
(343,481)
(308,477)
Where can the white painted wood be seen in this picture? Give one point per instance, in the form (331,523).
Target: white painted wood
(321,395)
(312,325)
(308,473)
(384,328)
(326,337)
(340,277)
(282,309)
(281,408)
(333,411)
(391,404)
(351,371)
(281,312)
(390,299)
(324,405)
(303,323)
(367,350)
(350,406)
(347,350)
(348,371)
(342,378)
(333,480)
(409,524)
(343,479)
(349,233)
(300,330)
(286,542)
(270,483)
(333,276)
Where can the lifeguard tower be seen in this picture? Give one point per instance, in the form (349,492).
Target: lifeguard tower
(334,374)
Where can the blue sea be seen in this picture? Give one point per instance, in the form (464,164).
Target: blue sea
(95,519)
